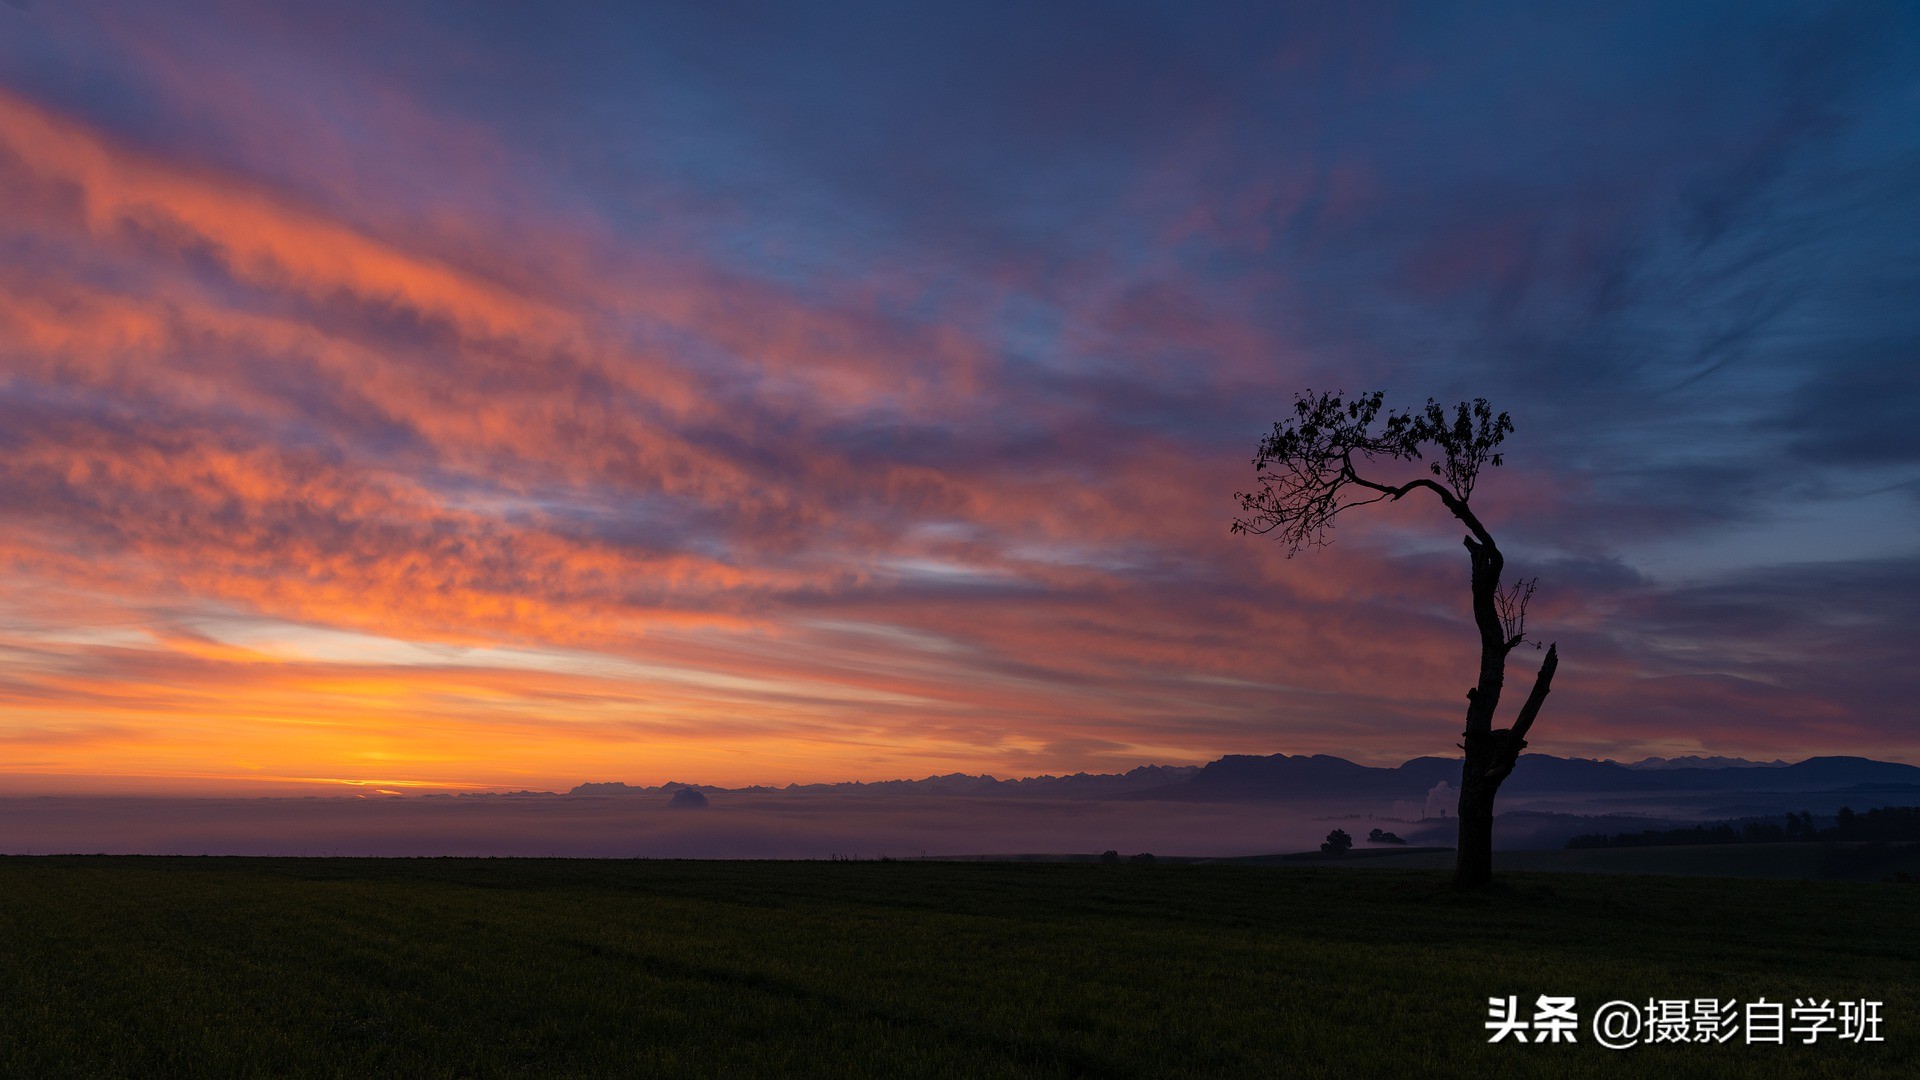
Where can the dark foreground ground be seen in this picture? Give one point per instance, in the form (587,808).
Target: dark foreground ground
(131,966)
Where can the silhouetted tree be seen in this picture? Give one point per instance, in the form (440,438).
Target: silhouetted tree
(1308,474)
(1110,856)
(1337,843)
(1800,826)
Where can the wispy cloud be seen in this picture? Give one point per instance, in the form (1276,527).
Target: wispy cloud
(820,396)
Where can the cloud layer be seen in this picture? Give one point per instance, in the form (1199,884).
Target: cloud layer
(442,395)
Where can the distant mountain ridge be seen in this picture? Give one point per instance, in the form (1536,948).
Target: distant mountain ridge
(1692,762)
(1077,785)
(1247,777)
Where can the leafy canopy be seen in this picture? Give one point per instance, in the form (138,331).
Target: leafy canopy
(1307,470)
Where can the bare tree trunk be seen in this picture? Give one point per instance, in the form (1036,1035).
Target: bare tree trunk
(1473,862)
(1491,756)
(1473,865)
(1490,753)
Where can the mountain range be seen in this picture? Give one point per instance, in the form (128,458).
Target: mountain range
(1238,778)
(1253,778)
(1078,785)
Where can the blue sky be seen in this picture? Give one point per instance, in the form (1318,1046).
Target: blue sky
(866,388)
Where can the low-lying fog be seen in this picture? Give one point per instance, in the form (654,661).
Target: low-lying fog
(730,827)
(786,826)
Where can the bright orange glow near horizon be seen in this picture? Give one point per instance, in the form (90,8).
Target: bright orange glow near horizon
(452,426)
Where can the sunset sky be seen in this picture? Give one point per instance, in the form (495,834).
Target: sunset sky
(466,395)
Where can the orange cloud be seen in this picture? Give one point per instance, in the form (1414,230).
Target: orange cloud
(581,513)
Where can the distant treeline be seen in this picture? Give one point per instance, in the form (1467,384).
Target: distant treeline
(1883,823)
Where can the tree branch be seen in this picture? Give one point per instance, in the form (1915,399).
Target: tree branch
(1455,506)
(1542,684)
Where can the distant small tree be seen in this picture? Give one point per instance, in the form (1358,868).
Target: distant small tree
(1109,856)
(1308,473)
(1337,842)
(1799,826)
(1381,836)
(1143,858)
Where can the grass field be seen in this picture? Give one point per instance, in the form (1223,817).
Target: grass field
(128,966)
(1837,861)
